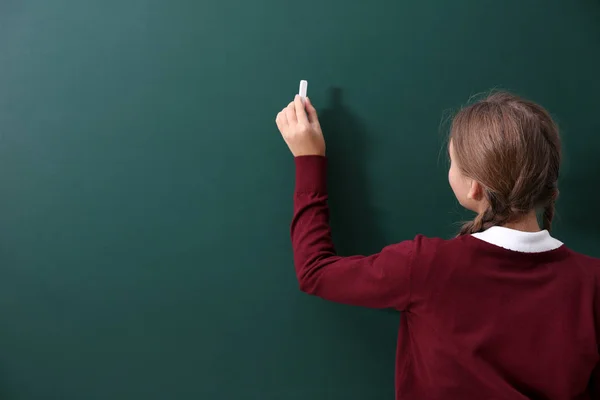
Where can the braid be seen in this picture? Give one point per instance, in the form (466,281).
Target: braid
(475,225)
(549,210)
(466,229)
(497,213)
(548,216)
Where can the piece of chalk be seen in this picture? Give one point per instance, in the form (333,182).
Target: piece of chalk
(303,89)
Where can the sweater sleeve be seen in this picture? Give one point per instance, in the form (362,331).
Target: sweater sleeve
(381,280)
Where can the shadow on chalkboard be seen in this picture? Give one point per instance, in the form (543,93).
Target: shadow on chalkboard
(353,221)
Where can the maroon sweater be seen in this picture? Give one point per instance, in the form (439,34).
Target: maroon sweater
(479,321)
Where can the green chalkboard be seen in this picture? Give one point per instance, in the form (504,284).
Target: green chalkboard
(146,195)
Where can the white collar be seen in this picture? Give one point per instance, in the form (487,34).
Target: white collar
(525,242)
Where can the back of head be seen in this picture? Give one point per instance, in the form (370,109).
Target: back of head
(511,146)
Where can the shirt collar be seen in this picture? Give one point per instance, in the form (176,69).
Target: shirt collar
(526,242)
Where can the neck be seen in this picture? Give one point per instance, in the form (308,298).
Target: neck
(527,223)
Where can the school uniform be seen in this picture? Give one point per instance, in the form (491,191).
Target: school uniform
(501,314)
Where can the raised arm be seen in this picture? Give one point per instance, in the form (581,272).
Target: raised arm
(379,280)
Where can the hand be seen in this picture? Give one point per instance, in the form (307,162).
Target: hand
(300,128)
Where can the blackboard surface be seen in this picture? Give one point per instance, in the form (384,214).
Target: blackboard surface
(146,194)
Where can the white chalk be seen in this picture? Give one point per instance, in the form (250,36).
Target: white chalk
(303,89)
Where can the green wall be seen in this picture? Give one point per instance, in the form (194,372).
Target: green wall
(146,194)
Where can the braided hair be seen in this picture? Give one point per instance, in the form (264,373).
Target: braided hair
(511,146)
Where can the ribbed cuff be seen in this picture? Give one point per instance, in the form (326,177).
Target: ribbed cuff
(311,174)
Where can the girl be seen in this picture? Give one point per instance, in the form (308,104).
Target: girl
(502,311)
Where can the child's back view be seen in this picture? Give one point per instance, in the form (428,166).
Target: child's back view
(504,310)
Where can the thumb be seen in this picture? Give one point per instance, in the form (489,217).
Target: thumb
(311,111)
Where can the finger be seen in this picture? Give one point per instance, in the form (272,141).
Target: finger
(300,111)
(281,120)
(290,113)
(312,112)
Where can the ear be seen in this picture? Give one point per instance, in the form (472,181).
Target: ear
(476,191)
